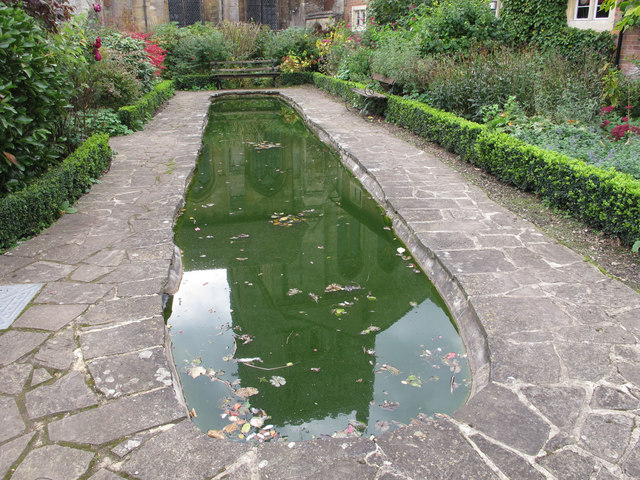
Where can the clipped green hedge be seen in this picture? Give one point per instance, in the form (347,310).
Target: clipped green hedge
(295,78)
(605,199)
(194,82)
(453,133)
(136,115)
(343,89)
(29,211)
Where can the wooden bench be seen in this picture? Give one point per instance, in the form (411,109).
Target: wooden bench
(244,69)
(385,82)
(374,102)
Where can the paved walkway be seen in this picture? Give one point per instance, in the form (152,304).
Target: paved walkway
(87,389)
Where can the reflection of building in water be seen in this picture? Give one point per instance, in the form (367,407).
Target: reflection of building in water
(273,271)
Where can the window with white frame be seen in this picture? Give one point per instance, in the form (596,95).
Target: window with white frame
(359,17)
(590,10)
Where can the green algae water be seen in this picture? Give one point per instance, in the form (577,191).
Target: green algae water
(300,314)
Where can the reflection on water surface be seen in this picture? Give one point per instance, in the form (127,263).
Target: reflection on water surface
(299,312)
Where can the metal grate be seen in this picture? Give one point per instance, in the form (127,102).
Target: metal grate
(263,12)
(185,12)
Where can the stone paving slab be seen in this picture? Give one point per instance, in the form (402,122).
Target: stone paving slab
(88,388)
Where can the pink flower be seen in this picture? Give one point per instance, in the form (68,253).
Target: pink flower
(411,7)
(96,7)
(97,56)
(605,123)
(606,110)
(629,107)
(625,119)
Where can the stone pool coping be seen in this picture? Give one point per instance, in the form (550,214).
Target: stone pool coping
(87,389)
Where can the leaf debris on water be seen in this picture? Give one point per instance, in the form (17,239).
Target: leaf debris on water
(277,381)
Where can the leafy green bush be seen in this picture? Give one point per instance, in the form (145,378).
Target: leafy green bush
(295,78)
(111,83)
(586,144)
(391,12)
(344,90)
(28,211)
(193,53)
(194,82)
(605,199)
(33,92)
(356,66)
(453,133)
(131,55)
(136,115)
(244,40)
(292,41)
(454,26)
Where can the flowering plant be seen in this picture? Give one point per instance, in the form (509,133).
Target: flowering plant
(618,127)
(152,50)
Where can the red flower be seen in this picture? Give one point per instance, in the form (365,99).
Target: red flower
(625,119)
(628,107)
(606,110)
(97,56)
(605,123)
(618,132)
(96,7)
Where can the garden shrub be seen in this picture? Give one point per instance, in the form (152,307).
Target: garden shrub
(194,82)
(356,66)
(344,90)
(454,26)
(129,52)
(34,93)
(193,54)
(453,133)
(136,115)
(111,83)
(28,211)
(605,199)
(290,79)
(292,41)
(392,12)
(244,40)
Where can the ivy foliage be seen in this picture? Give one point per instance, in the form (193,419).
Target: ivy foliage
(544,23)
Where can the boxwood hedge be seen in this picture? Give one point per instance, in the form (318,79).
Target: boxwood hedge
(605,199)
(28,211)
(136,115)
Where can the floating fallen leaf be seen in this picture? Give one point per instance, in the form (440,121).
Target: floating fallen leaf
(229,429)
(245,428)
(192,413)
(339,311)
(257,422)
(293,291)
(387,405)
(216,434)
(241,259)
(248,360)
(314,297)
(315,369)
(390,368)
(246,392)
(413,304)
(400,250)
(450,355)
(413,381)
(333,287)
(196,371)
(277,381)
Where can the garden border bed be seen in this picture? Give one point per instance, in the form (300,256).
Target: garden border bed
(604,199)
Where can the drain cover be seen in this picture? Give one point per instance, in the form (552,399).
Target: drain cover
(13,299)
